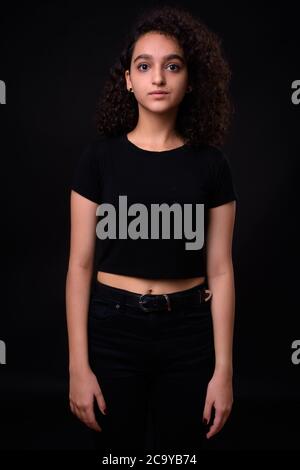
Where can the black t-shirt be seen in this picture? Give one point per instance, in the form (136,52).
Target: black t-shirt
(130,184)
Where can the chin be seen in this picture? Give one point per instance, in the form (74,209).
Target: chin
(160,111)
(159,106)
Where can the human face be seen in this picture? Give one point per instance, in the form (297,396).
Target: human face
(157,64)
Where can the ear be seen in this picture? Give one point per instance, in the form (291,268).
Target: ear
(127,78)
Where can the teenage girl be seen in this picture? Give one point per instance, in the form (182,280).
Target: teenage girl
(150,339)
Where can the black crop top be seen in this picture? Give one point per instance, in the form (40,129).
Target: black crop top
(130,184)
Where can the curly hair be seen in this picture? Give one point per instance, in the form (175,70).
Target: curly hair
(204,114)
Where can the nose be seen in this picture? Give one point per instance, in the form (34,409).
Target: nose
(158,76)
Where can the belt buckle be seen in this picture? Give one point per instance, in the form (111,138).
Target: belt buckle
(141,302)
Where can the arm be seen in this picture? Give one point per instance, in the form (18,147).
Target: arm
(83,383)
(221,283)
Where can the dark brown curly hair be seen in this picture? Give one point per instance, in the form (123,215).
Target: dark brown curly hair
(204,115)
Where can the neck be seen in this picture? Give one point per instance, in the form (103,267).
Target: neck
(156,130)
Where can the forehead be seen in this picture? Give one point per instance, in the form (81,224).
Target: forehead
(155,43)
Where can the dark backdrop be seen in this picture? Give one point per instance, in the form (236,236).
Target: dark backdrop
(54,59)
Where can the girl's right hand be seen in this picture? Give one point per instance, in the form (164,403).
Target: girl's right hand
(83,388)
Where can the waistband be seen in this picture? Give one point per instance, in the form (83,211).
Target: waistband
(152,302)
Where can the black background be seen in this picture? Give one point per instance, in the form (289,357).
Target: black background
(54,60)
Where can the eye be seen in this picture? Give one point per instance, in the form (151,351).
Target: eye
(142,65)
(172,65)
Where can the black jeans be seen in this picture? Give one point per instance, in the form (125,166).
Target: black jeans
(153,369)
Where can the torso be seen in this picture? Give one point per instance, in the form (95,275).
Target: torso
(148,286)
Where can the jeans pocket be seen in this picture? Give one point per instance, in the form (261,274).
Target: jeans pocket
(101,309)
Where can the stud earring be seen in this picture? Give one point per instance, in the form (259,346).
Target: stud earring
(130,89)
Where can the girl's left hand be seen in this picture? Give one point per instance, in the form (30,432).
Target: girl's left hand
(220,395)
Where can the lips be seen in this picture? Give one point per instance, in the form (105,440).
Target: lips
(158,93)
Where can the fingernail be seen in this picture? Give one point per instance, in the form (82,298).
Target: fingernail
(204,420)
(105,411)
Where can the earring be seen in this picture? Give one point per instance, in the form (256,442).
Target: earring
(130,89)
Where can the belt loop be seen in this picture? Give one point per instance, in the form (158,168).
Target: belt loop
(168,301)
(209,294)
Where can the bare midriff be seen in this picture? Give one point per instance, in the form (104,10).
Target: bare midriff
(148,286)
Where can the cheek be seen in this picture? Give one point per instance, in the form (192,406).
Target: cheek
(179,91)
(141,86)
(179,84)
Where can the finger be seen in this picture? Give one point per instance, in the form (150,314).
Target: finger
(207,411)
(101,402)
(217,424)
(78,413)
(90,420)
(82,415)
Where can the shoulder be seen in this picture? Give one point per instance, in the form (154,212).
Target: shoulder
(215,154)
(97,144)
(212,158)
(216,159)
(97,148)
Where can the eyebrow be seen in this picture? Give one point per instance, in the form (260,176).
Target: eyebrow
(169,56)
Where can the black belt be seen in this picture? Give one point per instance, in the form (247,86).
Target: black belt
(153,302)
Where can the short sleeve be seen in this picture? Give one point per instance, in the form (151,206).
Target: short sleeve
(222,188)
(86,177)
